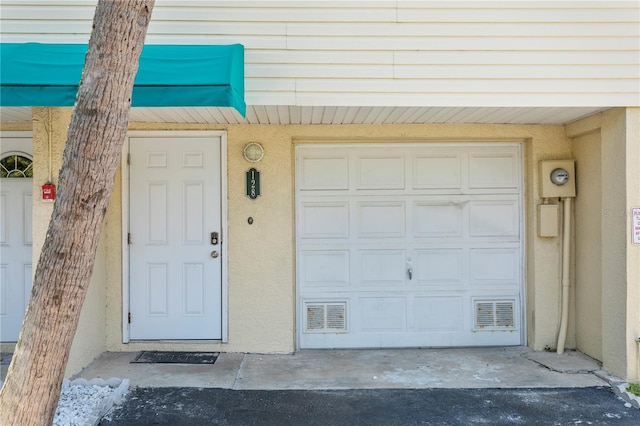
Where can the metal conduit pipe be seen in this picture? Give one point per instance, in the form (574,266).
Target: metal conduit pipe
(566,254)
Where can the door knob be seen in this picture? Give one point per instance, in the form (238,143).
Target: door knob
(410,272)
(214,254)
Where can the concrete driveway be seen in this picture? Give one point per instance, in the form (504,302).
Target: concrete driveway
(505,385)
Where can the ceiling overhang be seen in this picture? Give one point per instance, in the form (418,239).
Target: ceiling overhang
(332,115)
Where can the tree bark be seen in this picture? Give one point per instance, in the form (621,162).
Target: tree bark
(91,157)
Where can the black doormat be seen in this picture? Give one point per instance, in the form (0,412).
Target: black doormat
(159,357)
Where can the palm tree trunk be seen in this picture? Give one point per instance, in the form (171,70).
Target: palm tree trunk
(91,157)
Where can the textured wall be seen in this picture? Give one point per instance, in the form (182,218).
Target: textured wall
(49,137)
(607,145)
(614,237)
(543,286)
(589,215)
(262,256)
(632,331)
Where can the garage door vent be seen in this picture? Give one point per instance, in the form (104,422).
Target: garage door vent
(323,317)
(494,315)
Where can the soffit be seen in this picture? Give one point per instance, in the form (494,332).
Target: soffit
(282,114)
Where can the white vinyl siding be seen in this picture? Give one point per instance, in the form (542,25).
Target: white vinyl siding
(392,53)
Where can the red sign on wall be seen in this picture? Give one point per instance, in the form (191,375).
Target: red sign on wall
(48,192)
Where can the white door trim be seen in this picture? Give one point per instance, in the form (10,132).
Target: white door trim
(126,226)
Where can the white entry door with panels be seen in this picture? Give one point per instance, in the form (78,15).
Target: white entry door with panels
(409,245)
(175,250)
(16,187)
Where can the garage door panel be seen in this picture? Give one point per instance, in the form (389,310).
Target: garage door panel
(382,219)
(437,220)
(423,248)
(494,218)
(438,313)
(494,266)
(382,314)
(324,173)
(382,268)
(498,171)
(380,172)
(438,267)
(440,171)
(325,268)
(324,220)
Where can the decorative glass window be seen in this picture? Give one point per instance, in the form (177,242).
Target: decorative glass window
(16,166)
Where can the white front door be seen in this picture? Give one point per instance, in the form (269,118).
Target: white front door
(15,236)
(175,227)
(409,245)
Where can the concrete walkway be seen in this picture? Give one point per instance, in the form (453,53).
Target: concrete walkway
(504,367)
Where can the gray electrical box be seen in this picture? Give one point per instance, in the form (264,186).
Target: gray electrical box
(557,178)
(548,220)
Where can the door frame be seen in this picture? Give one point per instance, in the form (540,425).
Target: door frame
(223,216)
(27,135)
(522,214)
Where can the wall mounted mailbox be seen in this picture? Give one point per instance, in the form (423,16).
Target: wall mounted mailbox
(253,183)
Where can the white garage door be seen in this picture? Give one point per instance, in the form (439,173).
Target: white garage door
(409,245)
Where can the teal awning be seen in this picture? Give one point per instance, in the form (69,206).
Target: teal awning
(34,74)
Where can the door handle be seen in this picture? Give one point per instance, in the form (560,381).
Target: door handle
(410,272)
(214,254)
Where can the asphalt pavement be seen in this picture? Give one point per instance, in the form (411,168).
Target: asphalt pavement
(214,406)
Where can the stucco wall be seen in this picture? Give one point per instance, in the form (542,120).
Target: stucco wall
(49,136)
(588,243)
(619,259)
(262,256)
(632,184)
(633,251)
(613,236)
(543,285)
